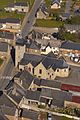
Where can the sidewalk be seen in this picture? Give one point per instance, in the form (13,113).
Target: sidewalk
(2,67)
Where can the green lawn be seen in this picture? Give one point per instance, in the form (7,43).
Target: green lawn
(1,61)
(48,23)
(4,3)
(68,36)
(65,118)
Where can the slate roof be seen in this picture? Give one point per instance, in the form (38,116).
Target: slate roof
(57,96)
(8,110)
(31,58)
(54,63)
(20,42)
(2,116)
(20,4)
(2,20)
(44,8)
(30,114)
(3,47)
(4,101)
(70,45)
(72,27)
(9,35)
(26,78)
(50,83)
(33,95)
(56,1)
(12,20)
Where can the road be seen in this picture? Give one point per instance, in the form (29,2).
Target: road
(68,6)
(29,19)
(4,80)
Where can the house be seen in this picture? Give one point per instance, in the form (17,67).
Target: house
(33,47)
(18,6)
(29,61)
(25,46)
(49,48)
(46,67)
(42,12)
(10,23)
(49,68)
(24,79)
(69,47)
(56,4)
(4,49)
(46,97)
(72,28)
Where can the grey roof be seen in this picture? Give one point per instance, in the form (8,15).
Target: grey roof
(8,110)
(44,8)
(5,101)
(2,116)
(33,95)
(20,4)
(74,77)
(3,47)
(30,114)
(9,35)
(31,58)
(10,5)
(54,63)
(12,20)
(20,41)
(2,20)
(37,81)
(72,27)
(26,78)
(56,1)
(50,83)
(42,100)
(70,45)
(57,96)
(34,45)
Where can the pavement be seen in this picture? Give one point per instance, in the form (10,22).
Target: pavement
(68,6)
(7,73)
(30,19)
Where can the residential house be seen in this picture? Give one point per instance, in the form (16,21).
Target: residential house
(33,47)
(56,4)
(69,48)
(29,61)
(25,46)
(49,48)
(46,67)
(42,12)
(49,68)
(19,51)
(24,79)
(46,97)
(13,23)
(10,23)
(72,28)
(4,49)
(18,6)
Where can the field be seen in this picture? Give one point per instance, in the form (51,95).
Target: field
(1,61)
(48,23)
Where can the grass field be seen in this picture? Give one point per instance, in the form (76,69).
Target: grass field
(48,23)
(4,3)
(1,61)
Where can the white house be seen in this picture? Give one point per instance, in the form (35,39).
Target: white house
(56,4)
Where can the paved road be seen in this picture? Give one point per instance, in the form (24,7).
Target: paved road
(68,6)
(29,19)
(7,72)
